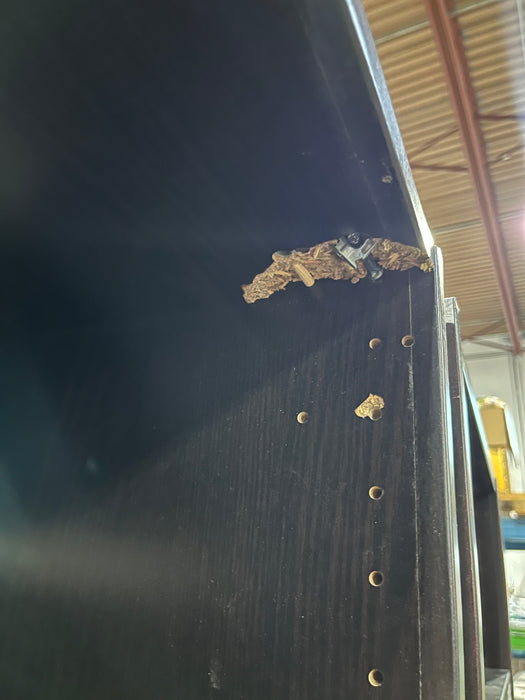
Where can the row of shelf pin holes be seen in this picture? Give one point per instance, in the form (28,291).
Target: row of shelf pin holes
(406,341)
(376,493)
(376,579)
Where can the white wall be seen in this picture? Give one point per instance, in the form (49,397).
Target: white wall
(493,372)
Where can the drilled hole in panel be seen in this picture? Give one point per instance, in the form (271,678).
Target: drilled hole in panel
(374,343)
(407,341)
(376,578)
(376,414)
(376,492)
(303,417)
(375,677)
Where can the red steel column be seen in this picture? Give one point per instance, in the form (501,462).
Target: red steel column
(450,44)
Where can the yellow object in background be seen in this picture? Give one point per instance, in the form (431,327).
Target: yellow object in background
(500,468)
(493,414)
(499,431)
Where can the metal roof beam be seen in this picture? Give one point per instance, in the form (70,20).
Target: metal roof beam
(450,45)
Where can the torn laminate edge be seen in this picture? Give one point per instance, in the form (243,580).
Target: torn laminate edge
(322,262)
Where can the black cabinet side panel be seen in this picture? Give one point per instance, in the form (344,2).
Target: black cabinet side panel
(470,587)
(442,669)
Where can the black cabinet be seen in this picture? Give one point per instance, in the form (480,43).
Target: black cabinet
(169,528)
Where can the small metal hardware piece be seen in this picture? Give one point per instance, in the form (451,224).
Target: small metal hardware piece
(356,246)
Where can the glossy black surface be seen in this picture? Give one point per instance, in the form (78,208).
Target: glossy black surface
(169,529)
(237,560)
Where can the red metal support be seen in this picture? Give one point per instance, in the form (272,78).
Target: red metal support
(450,45)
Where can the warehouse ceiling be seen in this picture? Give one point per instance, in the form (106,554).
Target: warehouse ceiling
(484,256)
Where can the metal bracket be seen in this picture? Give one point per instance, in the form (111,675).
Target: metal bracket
(356,246)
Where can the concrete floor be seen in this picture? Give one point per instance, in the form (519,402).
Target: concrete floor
(518,669)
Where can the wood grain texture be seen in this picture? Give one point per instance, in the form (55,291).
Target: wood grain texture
(170,529)
(439,603)
(236,563)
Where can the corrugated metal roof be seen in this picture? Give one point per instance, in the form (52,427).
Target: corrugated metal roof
(494,47)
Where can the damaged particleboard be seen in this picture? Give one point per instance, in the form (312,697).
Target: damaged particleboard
(322,262)
(372,407)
